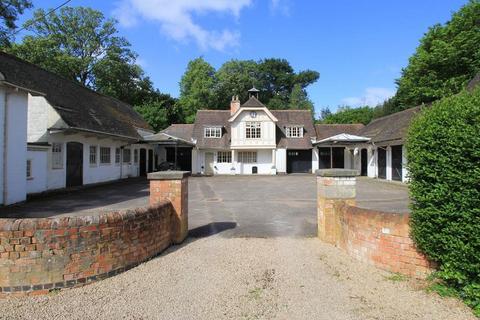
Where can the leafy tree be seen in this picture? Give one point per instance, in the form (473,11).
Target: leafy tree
(347,115)
(446,59)
(443,151)
(80,44)
(325,112)
(299,99)
(9,12)
(236,77)
(197,88)
(203,87)
(160,112)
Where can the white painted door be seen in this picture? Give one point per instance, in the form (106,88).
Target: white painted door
(209,163)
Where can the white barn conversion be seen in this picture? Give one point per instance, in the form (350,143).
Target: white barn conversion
(61,134)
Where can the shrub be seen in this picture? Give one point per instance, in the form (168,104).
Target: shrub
(443,151)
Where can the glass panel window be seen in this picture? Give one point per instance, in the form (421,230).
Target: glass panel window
(93,155)
(126,155)
(294,132)
(253,130)
(117,155)
(213,132)
(224,157)
(247,156)
(135,155)
(104,155)
(29,169)
(57,155)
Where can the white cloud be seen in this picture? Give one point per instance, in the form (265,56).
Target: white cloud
(281,6)
(371,97)
(176,19)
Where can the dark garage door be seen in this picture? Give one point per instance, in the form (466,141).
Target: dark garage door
(184,158)
(397,163)
(299,161)
(382,163)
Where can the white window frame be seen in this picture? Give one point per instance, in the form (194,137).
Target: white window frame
(253,130)
(105,155)
(118,157)
(127,152)
(29,169)
(212,132)
(135,156)
(247,156)
(294,132)
(93,155)
(57,155)
(224,157)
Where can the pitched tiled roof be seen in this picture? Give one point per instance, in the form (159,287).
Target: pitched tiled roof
(253,102)
(77,105)
(324,131)
(294,117)
(177,130)
(390,128)
(212,118)
(285,117)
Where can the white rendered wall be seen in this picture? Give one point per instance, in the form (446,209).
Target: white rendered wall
(389,163)
(268,130)
(315,159)
(404,164)
(281,160)
(39,159)
(264,163)
(14,138)
(371,163)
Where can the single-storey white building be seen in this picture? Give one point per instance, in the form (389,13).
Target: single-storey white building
(62,134)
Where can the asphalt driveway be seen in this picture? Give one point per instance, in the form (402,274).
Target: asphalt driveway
(239,206)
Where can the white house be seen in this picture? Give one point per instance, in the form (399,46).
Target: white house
(251,139)
(75,136)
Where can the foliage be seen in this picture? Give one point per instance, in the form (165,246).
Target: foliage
(446,59)
(80,44)
(299,99)
(9,12)
(443,147)
(347,114)
(204,87)
(160,112)
(197,88)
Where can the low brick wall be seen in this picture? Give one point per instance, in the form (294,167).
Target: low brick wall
(380,238)
(37,255)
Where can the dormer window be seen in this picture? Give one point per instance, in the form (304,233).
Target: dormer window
(294,132)
(213,132)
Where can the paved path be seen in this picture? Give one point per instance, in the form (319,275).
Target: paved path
(243,278)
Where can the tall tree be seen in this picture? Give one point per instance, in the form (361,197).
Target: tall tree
(299,99)
(348,114)
(446,59)
(9,12)
(197,88)
(160,112)
(80,44)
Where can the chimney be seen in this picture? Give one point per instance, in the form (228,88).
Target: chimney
(234,105)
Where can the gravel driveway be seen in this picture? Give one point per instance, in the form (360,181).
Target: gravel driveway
(243,278)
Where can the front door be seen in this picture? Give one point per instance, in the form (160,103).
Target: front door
(364,162)
(74,169)
(150,160)
(382,163)
(143,162)
(209,163)
(397,163)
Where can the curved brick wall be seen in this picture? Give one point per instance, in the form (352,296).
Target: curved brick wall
(379,238)
(37,255)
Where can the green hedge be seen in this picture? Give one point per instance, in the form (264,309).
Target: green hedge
(443,152)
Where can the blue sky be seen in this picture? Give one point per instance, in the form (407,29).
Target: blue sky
(358,46)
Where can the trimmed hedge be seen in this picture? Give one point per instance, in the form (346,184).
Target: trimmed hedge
(443,152)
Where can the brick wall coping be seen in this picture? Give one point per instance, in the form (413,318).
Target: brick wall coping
(15,224)
(337,173)
(168,175)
